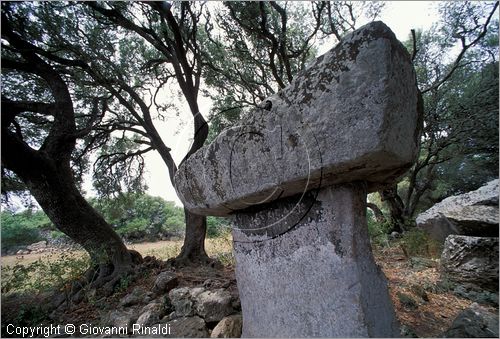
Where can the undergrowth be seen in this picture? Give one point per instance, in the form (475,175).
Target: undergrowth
(55,270)
(43,274)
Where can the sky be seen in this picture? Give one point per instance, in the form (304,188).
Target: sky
(400,16)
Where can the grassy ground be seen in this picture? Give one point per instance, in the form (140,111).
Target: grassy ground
(216,247)
(39,271)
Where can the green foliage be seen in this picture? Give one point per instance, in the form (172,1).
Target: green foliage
(457,72)
(43,274)
(217,227)
(123,284)
(57,234)
(23,228)
(141,217)
(378,230)
(417,242)
(30,316)
(135,217)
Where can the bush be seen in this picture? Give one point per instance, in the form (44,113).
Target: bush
(44,274)
(23,228)
(217,227)
(417,242)
(378,231)
(57,235)
(18,235)
(139,217)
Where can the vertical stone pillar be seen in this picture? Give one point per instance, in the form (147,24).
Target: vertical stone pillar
(305,268)
(294,181)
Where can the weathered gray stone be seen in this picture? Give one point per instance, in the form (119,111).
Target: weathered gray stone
(165,281)
(135,297)
(37,246)
(214,305)
(474,214)
(474,322)
(352,115)
(318,279)
(180,298)
(229,327)
(151,314)
(122,318)
(189,327)
(471,260)
(294,180)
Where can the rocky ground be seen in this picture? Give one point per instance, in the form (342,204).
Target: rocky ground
(201,302)
(425,304)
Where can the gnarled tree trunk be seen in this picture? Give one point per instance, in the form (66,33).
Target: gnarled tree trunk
(193,249)
(46,171)
(52,185)
(396,208)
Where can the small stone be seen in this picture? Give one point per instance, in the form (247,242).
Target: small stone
(407,301)
(122,319)
(151,314)
(228,327)
(180,298)
(188,327)
(214,305)
(474,322)
(420,291)
(407,332)
(135,297)
(164,282)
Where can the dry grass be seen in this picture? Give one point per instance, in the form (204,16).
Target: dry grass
(39,270)
(216,247)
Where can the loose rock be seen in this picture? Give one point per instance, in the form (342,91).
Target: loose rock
(471,260)
(229,327)
(120,318)
(180,298)
(133,298)
(189,327)
(214,305)
(474,322)
(151,314)
(165,282)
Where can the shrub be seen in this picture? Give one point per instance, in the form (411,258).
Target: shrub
(140,216)
(378,231)
(217,227)
(417,242)
(18,235)
(44,273)
(23,228)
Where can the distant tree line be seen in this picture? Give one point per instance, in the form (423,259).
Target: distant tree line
(135,217)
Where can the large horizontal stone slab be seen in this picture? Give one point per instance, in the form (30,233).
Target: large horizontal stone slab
(350,116)
(473,213)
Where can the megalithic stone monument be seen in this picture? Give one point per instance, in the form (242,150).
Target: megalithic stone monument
(294,181)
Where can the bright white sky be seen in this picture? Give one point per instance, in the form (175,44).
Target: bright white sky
(400,16)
